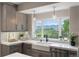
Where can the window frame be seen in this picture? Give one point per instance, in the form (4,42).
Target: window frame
(51,39)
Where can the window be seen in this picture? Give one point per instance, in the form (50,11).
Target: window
(38,28)
(50,28)
(53,28)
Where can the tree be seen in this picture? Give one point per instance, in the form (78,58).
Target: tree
(66,27)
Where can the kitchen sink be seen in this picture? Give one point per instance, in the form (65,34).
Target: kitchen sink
(44,42)
(44,46)
(40,47)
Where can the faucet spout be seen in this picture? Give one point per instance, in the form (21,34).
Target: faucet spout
(46,36)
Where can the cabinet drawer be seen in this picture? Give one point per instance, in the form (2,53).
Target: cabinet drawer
(27,49)
(28,52)
(35,53)
(56,52)
(27,46)
(39,53)
(44,54)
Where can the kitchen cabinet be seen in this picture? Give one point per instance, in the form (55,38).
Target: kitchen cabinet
(58,52)
(21,22)
(8,18)
(5,50)
(11,49)
(0,50)
(27,49)
(72,53)
(0,27)
(44,54)
(12,20)
(39,53)
(15,48)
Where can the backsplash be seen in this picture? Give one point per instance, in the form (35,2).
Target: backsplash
(5,36)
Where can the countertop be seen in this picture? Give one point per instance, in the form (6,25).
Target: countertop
(49,44)
(17,55)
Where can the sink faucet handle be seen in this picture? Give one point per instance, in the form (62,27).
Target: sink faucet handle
(40,40)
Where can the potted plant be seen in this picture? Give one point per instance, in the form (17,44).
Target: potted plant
(21,35)
(73,38)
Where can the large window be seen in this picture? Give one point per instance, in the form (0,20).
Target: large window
(53,28)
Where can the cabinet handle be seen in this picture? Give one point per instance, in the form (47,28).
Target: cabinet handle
(16,27)
(22,26)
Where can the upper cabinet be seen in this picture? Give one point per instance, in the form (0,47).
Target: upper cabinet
(21,22)
(8,18)
(11,20)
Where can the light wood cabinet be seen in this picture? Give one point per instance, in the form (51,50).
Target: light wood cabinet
(12,21)
(0,50)
(39,53)
(21,22)
(58,52)
(27,49)
(15,48)
(8,18)
(6,50)
(72,53)
(0,26)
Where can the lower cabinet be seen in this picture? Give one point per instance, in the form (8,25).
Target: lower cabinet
(38,53)
(27,49)
(72,53)
(57,52)
(15,48)
(0,50)
(6,50)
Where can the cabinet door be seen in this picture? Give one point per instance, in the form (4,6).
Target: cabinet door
(72,53)
(44,54)
(39,53)
(4,50)
(27,49)
(9,18)
(35,53)
(21,22)
(15,48)
(57,52)
(0,50)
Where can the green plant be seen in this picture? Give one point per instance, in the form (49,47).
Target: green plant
(73,36)
(21,34)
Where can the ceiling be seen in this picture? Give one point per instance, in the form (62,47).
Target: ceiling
(48,8)
(17,3)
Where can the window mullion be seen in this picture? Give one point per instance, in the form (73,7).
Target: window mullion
(42,30)
(60,27)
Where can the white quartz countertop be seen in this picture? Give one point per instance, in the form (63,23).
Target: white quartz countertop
(17,55)
(49,44)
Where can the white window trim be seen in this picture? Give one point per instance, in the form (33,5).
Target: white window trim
(50,39)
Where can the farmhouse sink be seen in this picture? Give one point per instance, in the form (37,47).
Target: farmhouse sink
(40,47)
(44,42)
(44,46)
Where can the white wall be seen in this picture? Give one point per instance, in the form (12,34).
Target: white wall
(74,19)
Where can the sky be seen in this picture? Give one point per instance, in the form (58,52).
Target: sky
(48,22)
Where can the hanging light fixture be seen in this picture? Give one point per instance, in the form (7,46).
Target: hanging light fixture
(54,12)
(34,16)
